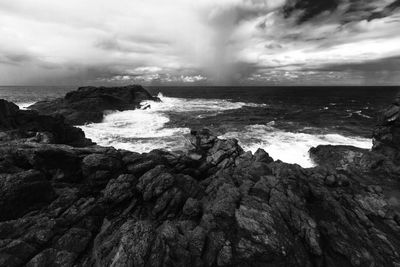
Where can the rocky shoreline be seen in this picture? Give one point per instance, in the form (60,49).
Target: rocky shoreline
(87,104)
(65,201)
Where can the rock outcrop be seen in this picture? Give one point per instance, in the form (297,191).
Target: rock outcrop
(87,104)
(386,136)
(16,124)
(215,205)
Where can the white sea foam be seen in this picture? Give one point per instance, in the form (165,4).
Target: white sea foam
(136,130)
(288,146)
(24,105)
(147,129)
(142,130)
(196,104)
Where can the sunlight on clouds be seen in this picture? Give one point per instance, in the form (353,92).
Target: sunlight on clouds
(180,41)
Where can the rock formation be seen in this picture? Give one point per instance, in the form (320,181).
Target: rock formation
(30,126)
(215,205)
(387,134)
(87,104)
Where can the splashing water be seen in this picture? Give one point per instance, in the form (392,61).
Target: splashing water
(288,146)
(142,130)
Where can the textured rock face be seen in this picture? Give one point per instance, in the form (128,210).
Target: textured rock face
(98,206)
(16,124)
(87,104)
(215,205)
(387,134)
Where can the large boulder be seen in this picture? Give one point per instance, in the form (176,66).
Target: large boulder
(87,104)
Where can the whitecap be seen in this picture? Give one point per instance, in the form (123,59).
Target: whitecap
(290,147)
(137,130)
(24,105)
(142,130)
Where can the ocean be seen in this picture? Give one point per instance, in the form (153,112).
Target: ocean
(285,121)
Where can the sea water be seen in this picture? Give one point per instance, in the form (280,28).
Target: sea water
(285,121)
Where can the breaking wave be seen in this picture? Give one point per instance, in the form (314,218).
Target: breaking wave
(290,147)
(142,130)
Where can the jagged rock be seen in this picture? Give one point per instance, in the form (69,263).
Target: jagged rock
(337,156)
(22,192)
(192,208)
(154,182)
(87,104)
(127,245)
(386,136)
(354,159)
(28,124)
(96,206)
(120,189)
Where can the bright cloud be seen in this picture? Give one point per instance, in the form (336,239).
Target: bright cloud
(204,41)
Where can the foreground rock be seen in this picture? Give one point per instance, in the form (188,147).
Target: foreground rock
(214,206)
(28,125)
(87,104)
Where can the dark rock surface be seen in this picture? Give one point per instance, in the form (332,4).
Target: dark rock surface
(87,104)
(16,124)
(213,206)
(386,135)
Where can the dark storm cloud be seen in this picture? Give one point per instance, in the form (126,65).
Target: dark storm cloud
(355,10)
(308,9)
(179,41)
(382,64)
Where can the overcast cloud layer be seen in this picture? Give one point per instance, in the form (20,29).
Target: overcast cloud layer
(246,42)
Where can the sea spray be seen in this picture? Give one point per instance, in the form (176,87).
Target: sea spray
(290,147)
(143,130)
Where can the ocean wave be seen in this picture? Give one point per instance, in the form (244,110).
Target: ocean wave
(142,130)
(290,147)
(135,130)
(195,104)
(24,105)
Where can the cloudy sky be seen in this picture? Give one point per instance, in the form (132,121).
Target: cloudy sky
(215,42)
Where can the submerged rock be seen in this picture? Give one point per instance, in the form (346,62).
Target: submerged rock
(87,104)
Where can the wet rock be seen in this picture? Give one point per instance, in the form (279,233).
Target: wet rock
(337,156)
(386,136)
(94,206)
(87,104)
(29,125)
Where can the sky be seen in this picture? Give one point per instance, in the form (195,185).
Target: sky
(201,42)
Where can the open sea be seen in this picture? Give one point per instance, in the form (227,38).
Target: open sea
(285,121)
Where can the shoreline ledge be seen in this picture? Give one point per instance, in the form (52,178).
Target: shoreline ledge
(65,201)
(87,104)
